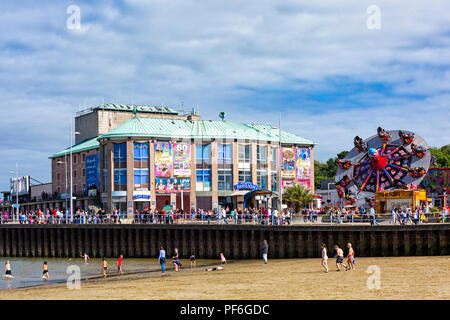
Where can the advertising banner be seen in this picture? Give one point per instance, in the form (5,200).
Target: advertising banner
(303,169)
(182,160)
(288,163)
(163,159)
(288,183)
(93,170)
(168,185)
(20,186)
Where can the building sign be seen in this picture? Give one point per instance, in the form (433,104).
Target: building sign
(168,185)
(65,195)
(141,196)
(289,183)
(20,186)
(182,160)
(163,159)
(92,193)
(303,170)
(288,163)
(399,203)
(245,186)
(93,170)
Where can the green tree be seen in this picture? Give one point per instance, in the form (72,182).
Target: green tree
(442,156)
(297,196)
(327,170)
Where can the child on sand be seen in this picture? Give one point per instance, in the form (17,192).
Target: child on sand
(350,257)
(104,267)
(85,257)
(214,269)
(324,257)
(45,274)
(222,259)
(192,261)
(119,265)
(339,258)
(8,272)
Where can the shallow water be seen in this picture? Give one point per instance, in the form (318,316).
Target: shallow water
(28,271)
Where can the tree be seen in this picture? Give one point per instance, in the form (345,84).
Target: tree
(298,196)
(442,156)
(327,170)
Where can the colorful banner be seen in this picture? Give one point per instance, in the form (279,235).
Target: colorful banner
(93,170)
(163,159)
(166,185)
(303,170)
(288,163)
(288,183)
(182,160)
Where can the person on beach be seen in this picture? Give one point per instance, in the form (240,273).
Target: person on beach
(324,257)
(339,258)
(119,265)
(222,259)
(104,267)
(45,274)
(176,262)
(265,252)
(350,257)
(214,269)
(8,272)
(162,260)
(192,261)
(85,257)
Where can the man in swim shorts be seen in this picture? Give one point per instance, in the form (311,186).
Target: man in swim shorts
(339,258)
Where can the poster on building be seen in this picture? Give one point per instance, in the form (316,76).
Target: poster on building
(288,183)
(93,170)
(182,160)
(163,159)
(169,185)
(288,163)
(303,168)
(20,186)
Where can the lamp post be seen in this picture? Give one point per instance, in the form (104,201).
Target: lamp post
(17,191)
(65,163)
(71,170)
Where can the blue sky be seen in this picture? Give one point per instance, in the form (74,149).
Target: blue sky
(316,62)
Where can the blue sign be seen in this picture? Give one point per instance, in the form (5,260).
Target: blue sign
(93,170)
(16,206)
(245,186)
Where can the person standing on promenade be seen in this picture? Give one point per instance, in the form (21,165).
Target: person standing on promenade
(265,252)
(339,258)
(324,257)
(350,257)
(162,260)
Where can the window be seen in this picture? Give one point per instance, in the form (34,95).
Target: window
(273,158)
(75,174)
(244,154)
(225,179)
(58,178)
(204,180)
(84,172)
(120,166)
(105,179)
(261,154)
(274,181)
(245,176)
(203,153)
(141,163)
(74,159)
(261,179)
(84,158)
(224,153)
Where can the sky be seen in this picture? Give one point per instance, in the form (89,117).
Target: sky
(321,64)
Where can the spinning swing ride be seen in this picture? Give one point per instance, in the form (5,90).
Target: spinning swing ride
(389,160)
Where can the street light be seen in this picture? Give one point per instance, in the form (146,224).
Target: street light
(71,170)
(17,190)
(65,163)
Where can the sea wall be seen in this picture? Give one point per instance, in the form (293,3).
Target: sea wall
(207,241)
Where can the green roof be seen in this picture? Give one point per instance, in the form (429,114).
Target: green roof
(86,145)
(130,108)
(205,129)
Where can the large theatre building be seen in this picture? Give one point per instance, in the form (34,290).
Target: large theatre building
(138,157)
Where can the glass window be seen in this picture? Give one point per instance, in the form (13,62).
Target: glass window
(261,154)
(245,176)
(120,166)
(204,180)
(141,163)
(203,153)
(273,157)
(141,178)
(261,179)
(244,154)
(224,153)
(225,179)
(274,181)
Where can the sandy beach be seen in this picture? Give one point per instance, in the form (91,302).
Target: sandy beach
(297,279)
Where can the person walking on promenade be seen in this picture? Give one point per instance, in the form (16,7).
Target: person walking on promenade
(339,258)
(265,252)
(350,257)
(373,218)
(162,260)
(324,257)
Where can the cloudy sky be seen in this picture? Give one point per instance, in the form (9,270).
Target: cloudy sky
(316,62)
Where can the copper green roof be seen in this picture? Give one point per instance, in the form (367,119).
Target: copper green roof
(86,145)
(204,129)
(130,108)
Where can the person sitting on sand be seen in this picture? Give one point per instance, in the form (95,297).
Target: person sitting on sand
(104,267)
(214,269)
(222,259)
(350,257)
(339,258)
(324,257)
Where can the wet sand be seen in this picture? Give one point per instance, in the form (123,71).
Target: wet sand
(401,278)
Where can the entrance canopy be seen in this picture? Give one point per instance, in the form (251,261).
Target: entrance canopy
(260,192)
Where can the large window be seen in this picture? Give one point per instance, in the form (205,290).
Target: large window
(203,153)
(245,176)
(225,179)
(204,180)
(261,154)
(274,181)
(244,154)
(105,167)
(224,153)
(261,178)
(120,167)
(141,171)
